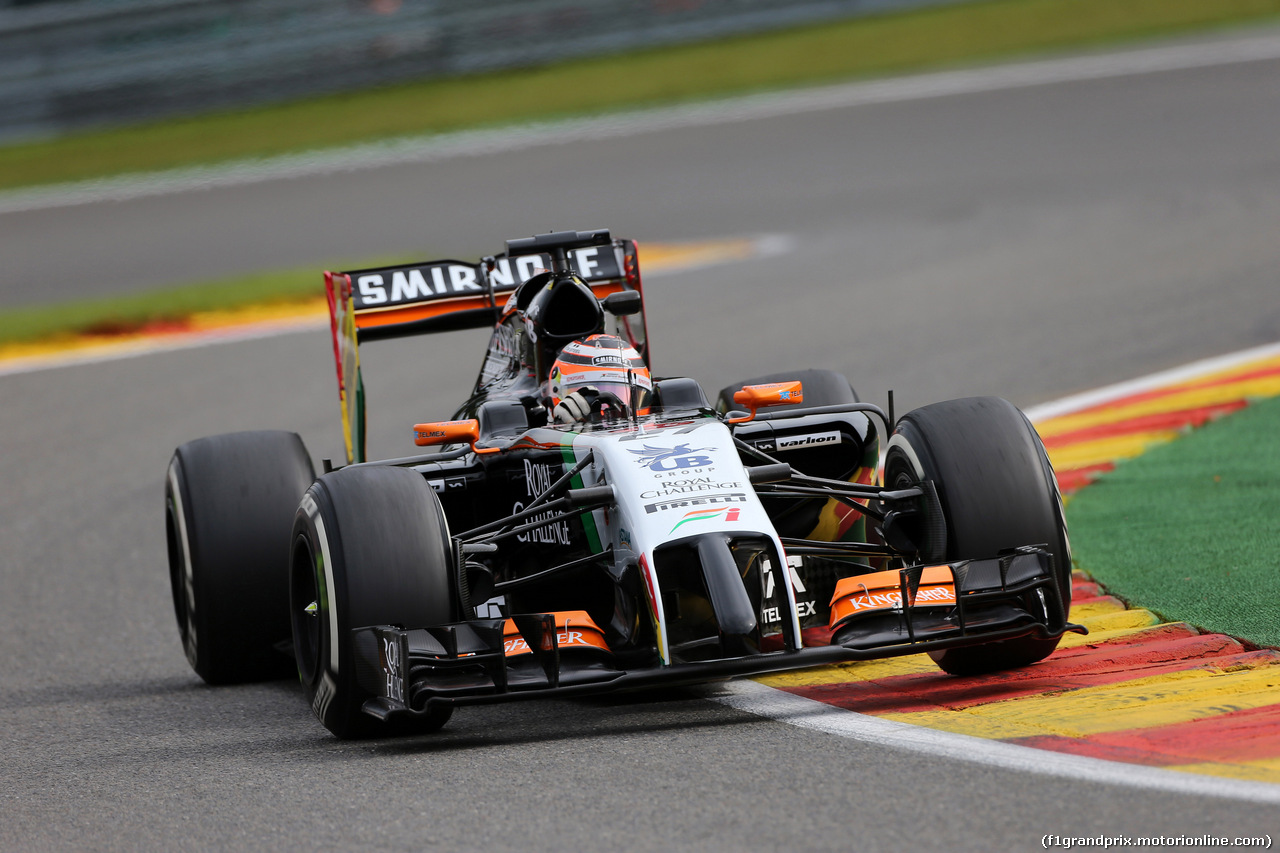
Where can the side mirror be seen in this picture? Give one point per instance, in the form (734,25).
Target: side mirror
(450,432)
(623,302)
(753,397)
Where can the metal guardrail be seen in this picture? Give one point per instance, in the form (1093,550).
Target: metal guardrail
(68,64)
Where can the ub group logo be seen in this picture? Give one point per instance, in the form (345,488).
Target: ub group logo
(673,458)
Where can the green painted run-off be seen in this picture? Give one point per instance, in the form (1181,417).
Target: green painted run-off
(1191,528)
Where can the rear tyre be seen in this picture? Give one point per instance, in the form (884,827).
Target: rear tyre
(370,547)
(229,505)
(821,388)
(997,491)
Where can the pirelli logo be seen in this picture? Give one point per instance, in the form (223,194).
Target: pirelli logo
(701,500)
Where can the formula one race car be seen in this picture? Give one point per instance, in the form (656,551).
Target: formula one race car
(580,526)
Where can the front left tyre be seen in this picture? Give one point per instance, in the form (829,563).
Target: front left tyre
(370,546)
(229,505)
(996,490)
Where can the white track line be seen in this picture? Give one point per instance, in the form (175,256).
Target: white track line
(762,701)
(763,246)
(1185,373)
(428,149)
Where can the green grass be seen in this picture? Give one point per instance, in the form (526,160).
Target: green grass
(831,51)
(1190,529)
(860,47)
(126,313)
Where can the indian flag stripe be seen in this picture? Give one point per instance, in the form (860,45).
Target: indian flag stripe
(698,515)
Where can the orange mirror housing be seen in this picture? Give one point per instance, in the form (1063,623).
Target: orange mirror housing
(446,432)
(753,397)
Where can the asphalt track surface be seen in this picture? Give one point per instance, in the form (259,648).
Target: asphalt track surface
(1029,242)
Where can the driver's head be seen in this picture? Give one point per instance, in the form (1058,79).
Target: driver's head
(599,378)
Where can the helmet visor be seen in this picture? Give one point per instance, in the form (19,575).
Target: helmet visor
(632,388)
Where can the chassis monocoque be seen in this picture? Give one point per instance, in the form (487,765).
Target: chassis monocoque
(521,558)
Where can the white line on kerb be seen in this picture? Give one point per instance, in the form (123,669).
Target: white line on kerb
(763,701)
(1185,373)
(427,149)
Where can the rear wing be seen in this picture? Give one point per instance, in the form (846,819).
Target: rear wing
(438,296)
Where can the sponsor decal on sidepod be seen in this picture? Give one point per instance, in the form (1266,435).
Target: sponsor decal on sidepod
(812,440)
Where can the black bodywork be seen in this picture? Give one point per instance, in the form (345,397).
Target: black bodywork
(521,522)
(690,540)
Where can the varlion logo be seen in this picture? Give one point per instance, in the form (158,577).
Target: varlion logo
(812,440)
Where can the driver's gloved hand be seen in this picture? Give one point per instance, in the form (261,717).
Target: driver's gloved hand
(576,408)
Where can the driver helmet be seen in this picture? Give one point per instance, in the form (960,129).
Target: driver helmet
(608,375)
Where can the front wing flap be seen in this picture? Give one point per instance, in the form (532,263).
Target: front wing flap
(965,601)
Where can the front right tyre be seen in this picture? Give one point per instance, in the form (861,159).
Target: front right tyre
(370,547)
(229,505)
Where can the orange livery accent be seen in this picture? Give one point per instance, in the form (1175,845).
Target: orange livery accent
(574,630)
(446,432)
(882,591)
(414,311)
(773,394)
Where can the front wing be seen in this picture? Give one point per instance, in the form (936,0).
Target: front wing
(406,671)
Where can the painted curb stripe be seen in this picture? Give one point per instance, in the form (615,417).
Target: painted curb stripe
(1177,697)
(1110,450)
(262,321)
(1134,690)
(929,692)
(1070,481)
(1186,373)
(1088,442)
(1227,391)
(28,358)
(1160,422)
(754,698)
(1210,740)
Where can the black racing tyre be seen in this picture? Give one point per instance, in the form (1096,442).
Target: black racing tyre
(229,505)
(370,547)
(997,491)
(821,388)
